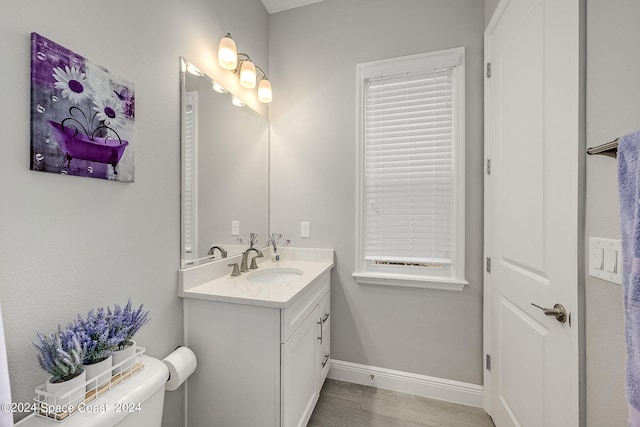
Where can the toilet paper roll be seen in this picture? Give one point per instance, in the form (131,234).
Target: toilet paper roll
(181,363)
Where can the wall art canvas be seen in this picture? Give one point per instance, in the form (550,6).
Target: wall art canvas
(82,116)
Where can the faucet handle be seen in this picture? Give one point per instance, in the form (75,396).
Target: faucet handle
(254,264)
(236,269)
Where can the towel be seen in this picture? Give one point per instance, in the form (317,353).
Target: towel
(629,192)
(6,417)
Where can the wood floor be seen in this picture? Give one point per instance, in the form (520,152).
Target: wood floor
(344,404)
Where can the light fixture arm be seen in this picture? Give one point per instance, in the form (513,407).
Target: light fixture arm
(261,74)
(241,58)
(244,57)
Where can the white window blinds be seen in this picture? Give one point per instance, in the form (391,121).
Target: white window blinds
(408,180)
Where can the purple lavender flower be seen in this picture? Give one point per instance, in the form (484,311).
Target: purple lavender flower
(126,322)
(97,336)
(60,354)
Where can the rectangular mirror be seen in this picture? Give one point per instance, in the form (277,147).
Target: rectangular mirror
(225,170)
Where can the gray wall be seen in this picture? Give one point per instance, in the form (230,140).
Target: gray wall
(613,67)
(489,8)
(68,244)
(313,54)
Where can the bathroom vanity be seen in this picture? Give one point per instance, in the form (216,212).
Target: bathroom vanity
(262,340)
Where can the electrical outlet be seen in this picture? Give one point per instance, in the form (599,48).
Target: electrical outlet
(235,228)
(305,229)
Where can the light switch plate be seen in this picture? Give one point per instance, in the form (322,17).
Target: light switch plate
(235,228)
(605,259)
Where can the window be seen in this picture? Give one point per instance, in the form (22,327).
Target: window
(411,171)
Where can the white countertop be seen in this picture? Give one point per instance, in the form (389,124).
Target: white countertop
(240,290)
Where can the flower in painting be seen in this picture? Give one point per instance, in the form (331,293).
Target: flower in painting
(73,83)
(109,110)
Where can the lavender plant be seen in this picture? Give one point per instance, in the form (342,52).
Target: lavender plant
(253,239)
(97,335)
(60,354)
(274,240)
(126,322)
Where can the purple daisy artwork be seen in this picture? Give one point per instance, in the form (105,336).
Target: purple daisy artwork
(82,116)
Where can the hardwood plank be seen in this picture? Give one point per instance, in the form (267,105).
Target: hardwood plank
(343,404)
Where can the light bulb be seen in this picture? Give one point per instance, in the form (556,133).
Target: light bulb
(218,88)
(248,74)
(265,94)
(194,70)
(228,53)
(235,101)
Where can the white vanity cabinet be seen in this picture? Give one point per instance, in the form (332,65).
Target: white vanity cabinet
(258,366)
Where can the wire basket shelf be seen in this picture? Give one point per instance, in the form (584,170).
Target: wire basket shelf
(60,407)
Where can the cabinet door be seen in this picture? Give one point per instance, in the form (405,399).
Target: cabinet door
(323,345)
(299,393)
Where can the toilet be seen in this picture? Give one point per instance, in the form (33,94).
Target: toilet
(119,407)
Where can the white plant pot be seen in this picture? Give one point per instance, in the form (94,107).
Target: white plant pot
(60,389)
(122,355)
(99,374)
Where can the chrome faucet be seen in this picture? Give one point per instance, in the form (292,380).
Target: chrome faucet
(245,255)
(222,251)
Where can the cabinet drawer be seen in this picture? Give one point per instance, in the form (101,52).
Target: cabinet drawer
(293,316)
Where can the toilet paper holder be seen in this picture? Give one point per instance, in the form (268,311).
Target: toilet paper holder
(181,363)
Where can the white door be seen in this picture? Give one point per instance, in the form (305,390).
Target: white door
(533,196)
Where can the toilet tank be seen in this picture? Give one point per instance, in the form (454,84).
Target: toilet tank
(119,407)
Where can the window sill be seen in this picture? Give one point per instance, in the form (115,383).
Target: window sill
(410,281)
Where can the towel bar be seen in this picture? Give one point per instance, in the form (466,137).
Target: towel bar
(609,149)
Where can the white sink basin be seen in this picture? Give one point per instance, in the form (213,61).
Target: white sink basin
(274,275)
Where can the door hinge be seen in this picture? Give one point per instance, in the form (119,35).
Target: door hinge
(488,69)
(488,265)
(488,166)
(487,362)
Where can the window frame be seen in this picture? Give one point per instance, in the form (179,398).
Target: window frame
(407,276)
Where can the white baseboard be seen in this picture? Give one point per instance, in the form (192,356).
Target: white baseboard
(406,382)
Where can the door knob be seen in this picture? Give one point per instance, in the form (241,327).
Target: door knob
(558,311)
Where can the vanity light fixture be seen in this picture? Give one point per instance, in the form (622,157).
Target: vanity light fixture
(248,74)
(228,53)
(242,65)
(264,91)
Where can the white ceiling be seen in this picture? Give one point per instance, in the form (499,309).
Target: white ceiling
(274,6)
